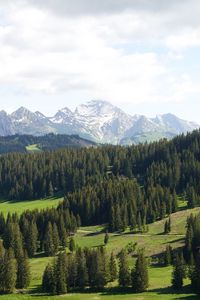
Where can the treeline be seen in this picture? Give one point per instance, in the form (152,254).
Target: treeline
(171,164)
(93,268)
(120,203)
(38,231)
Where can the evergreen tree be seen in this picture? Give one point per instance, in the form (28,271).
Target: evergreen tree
(195,276)
(124,272)
(178,273)
(106,238)
(139,274)
(31,239)
(72,245)
(56,240)
(82,273)
(60,274)
(113,267)
(9,271)
(48,241)
(23,272)
(48,280)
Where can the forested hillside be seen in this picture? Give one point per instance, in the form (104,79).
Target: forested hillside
(49,142)
(122,189)
(136,184)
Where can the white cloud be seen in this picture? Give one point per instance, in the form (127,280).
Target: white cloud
(95,50)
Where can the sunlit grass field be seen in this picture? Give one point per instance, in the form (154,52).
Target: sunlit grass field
(20,206)
(154,241)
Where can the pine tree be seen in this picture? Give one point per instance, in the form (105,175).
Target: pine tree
(62,231)
(113,267)
(48,280)
(195,276)
(82,273)
(31,239)
(23,272)
(2,251)
(139,274)
(72,245)
(9,271)
(178,273)
(48,241)
(56,240)
(106,238)
(60,274)
(124,273)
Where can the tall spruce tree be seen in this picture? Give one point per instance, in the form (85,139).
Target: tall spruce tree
(139,275)
(178,272)
(48,241)
(124,272)
(195,276)
(9,271)
(48,280)
(60,274)
(113,267)
(82,273)
(23,272)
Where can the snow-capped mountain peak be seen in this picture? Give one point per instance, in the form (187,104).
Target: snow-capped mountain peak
(96,120)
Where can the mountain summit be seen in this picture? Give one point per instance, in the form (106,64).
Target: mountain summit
(96,120)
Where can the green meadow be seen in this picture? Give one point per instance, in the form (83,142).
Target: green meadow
(154,241)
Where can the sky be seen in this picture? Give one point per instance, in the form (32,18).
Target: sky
(141,55)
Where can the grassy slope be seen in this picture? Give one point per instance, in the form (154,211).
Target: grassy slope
(20,206)
(154,241)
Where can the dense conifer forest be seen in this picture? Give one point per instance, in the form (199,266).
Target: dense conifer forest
(121,187)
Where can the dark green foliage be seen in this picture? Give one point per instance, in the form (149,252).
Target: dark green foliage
(82,272)
(106,238)
(77,270)
(49,242)
(167,226)
(23,272)
(113,267)
(9,271)
(48,142)
(60,274)
(140,187)
(72,245)
(48,280)
(139,275)
(195,276)
(178,272)
(124,272)
(31,239)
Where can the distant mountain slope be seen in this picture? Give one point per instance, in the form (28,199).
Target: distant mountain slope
(99,121)
(29,143)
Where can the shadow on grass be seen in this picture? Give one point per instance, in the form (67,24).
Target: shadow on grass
(95,232)
(181,295)
(175,241)
(184,294)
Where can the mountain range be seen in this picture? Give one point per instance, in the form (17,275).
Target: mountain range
(99,121)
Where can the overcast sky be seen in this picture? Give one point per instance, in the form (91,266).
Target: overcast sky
(142,55)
